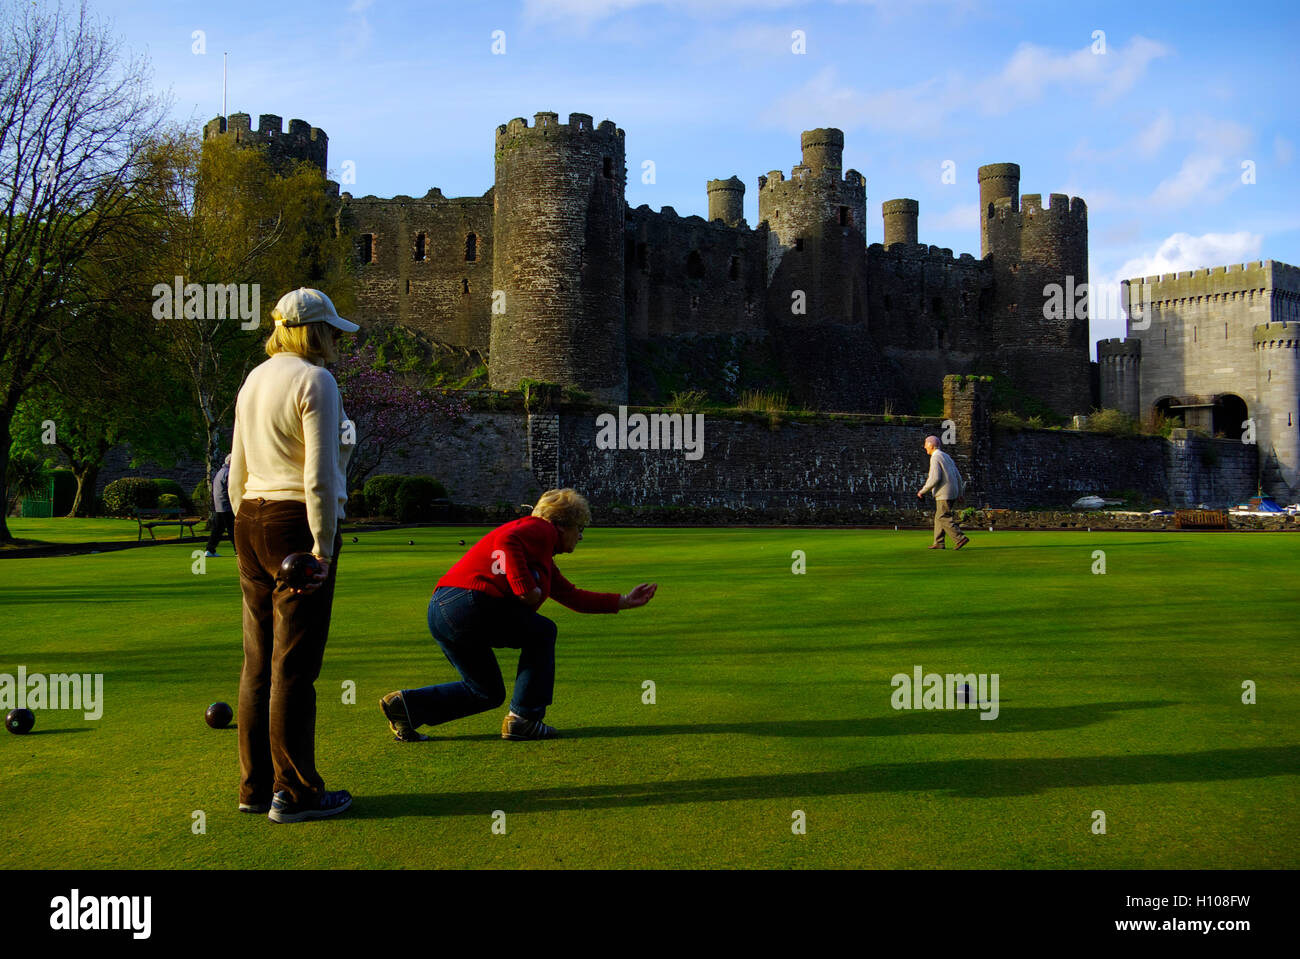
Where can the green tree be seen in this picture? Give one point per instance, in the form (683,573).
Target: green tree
(229,219)
(75,118)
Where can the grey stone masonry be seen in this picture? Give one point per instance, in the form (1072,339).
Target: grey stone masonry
(544,448)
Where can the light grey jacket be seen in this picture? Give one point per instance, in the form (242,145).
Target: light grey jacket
(944,478)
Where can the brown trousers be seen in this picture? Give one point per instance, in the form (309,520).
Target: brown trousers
(284,643)
(946,522)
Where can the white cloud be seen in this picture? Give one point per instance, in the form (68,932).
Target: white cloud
(586,12)
(964,216)
(1032,71)
(1190,184)
(1211,171)
(1283,150)
(1153,138)
(750,45)
(1177,253)
(922,109)
(1182,251)
(932,105)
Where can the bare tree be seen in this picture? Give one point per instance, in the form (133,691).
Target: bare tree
(75,118)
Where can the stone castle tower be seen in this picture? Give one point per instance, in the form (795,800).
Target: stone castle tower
(558,256)
(1032,249)
(816,235)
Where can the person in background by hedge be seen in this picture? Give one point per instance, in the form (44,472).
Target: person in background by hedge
(222,520)
(488,600)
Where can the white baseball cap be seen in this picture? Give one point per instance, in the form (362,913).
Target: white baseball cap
(304,306)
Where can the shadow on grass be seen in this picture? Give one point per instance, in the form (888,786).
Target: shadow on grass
(962,778)
(1069,546)
(901,723)
(54,732)
(930,722)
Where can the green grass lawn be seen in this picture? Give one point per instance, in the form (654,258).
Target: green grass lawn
(1119,692)
(103,530)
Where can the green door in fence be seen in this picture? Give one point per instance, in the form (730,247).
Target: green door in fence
(39,505)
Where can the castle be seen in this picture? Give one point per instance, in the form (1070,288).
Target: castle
(553,277)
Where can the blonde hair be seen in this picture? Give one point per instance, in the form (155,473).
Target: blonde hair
(314,341)
(563,507)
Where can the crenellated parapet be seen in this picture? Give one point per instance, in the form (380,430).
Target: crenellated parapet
(302,142)
(1277,336)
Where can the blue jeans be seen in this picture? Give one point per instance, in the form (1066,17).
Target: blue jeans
(468,625)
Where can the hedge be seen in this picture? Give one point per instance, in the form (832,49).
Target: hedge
(124,496)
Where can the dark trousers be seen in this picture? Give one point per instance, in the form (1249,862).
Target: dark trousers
(284,643)
(222,524)
(468,624)
(945,521)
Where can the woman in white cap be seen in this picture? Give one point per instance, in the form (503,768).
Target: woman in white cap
(288,467)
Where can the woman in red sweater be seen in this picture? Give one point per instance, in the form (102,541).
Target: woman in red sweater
(488,600)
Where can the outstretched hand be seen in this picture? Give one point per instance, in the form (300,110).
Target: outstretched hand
(638,596)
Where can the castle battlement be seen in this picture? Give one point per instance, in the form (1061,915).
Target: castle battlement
(644,213)
(547,124)
(1118,347)
(1253,277)
(433,196)
(922,250)
(1277,336)
(1061,208)
(302,142)
(268,125)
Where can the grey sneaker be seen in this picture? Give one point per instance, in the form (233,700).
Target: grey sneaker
(399,720)
(516,727)
(283,809)
(257,807)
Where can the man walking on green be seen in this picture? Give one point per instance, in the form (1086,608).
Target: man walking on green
(946,483)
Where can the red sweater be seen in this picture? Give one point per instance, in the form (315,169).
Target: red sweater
(523,551)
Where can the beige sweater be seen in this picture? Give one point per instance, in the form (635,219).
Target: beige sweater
(944,478)
(288,443)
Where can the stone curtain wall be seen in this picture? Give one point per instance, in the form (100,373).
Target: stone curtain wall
(501,459)
(830,464)
(1055,468)
(1204,470)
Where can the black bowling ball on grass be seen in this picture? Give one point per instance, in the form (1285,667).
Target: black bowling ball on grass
(20,721)
(219,715)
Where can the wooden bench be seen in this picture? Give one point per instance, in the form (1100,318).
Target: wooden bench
(1200,519)
(147,519)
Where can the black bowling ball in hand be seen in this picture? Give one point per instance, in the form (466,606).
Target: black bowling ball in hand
(297,570)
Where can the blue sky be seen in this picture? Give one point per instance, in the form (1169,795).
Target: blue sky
(1152,133)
